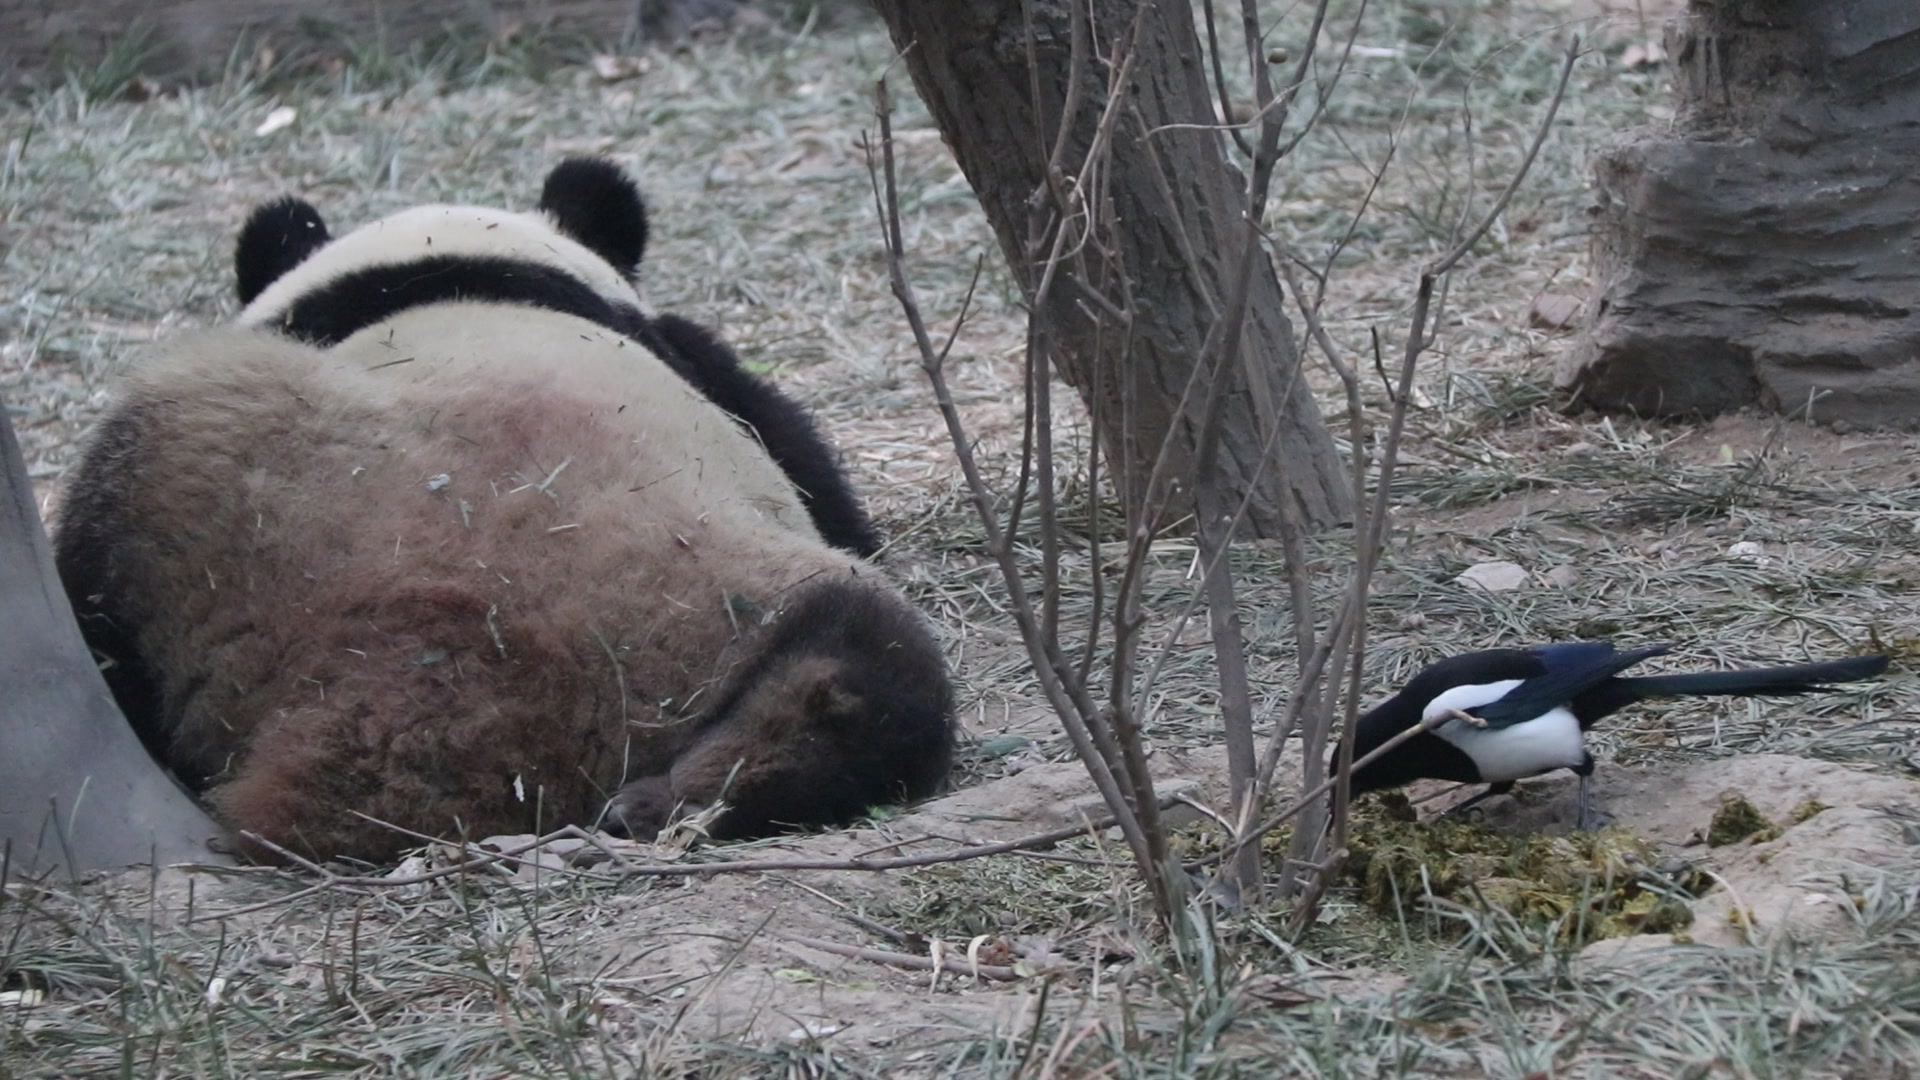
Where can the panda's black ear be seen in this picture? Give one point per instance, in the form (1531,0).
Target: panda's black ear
(593,201)
(278,237)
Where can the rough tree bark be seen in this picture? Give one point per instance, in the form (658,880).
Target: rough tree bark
(969,60)
(1763,250)
(77,790)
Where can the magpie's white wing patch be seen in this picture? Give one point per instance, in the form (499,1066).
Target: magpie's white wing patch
(1470,696)
(1550,741)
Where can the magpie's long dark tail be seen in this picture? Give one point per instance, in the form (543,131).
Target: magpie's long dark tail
(1774,681)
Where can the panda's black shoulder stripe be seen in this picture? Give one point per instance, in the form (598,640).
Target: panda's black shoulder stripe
(781,425)
(338,309)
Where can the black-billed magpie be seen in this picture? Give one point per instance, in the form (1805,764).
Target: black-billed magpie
(1533,708)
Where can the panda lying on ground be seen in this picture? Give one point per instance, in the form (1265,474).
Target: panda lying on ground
(449,533)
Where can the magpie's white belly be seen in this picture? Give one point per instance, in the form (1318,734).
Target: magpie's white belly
(1548,742)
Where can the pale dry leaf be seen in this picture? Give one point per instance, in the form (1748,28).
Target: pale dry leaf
(282,117)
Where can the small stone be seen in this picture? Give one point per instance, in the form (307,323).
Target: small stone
(538,863)
(577,852)
(1554,311)
(279,118)
(1497,576)
(411,866)
(1637,57)
(611,68)
(1563,576)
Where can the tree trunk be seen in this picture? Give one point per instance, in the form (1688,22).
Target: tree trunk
(1171,191)
(77,790)
(1763,250)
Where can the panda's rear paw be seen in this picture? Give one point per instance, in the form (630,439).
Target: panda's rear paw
(640,808)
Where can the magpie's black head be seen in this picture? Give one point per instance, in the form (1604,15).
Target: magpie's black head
(1425,756)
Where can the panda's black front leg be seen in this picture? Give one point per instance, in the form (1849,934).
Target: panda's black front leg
(640,808)
(782,426)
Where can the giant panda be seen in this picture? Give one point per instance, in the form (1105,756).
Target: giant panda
(447,535)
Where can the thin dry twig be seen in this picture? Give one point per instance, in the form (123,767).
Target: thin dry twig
(1281,817)
(1216,524)
(1125,786)
(1372,530)
(695,869)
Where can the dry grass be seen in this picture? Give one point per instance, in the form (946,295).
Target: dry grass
(466,978)
(115,224)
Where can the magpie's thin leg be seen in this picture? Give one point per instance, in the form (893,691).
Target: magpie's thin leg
(1502,788)
(1586,818)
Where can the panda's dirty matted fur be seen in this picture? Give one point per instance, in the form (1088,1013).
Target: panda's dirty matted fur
(478,568)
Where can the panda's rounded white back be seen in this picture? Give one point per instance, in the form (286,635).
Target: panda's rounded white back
(496,383)
(442,232)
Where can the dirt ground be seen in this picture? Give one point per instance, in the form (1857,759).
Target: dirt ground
(762,959)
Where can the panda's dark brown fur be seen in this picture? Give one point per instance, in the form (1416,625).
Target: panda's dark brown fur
(481,567)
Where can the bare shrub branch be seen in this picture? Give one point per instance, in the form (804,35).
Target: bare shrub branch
(1068,238)
(1121,778)
(1349,646)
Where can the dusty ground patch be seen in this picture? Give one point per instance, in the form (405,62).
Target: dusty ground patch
(750,972)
